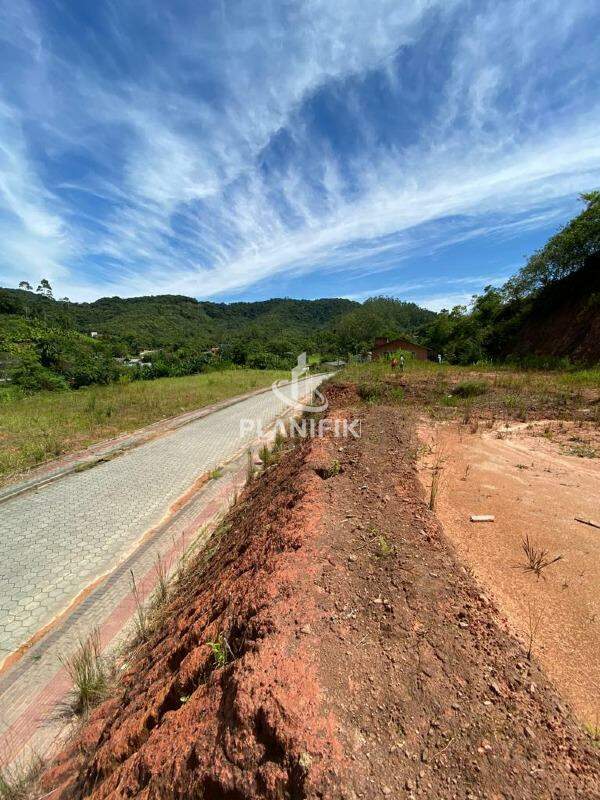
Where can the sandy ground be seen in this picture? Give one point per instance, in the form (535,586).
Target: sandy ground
(527,476)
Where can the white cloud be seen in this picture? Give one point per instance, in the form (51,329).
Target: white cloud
(184,203)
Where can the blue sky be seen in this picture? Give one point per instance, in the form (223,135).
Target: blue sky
(244,150)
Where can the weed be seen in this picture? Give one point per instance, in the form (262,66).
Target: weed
(265,456)
(219,651)
(161,590)
(140,617)
(333,469)
(17,780)
(89,672)
(582,450)
(249,467)
(449,400)
(534,619)
(436,475)
(369,392)
(536,559)
(592,730)
(385,548)
(396,394)
(470,389)
(214,474)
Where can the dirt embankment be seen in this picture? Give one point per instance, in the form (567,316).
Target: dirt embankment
(363,659)
(563,320)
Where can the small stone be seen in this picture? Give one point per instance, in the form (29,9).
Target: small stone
(352,557)
(387,791)
(305,629)
(410,785)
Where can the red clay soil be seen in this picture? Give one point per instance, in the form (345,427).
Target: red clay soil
(364,660)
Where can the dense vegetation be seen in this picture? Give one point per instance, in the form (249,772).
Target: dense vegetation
(547,314)
(47,343)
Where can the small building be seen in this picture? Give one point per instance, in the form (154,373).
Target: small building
(386,347)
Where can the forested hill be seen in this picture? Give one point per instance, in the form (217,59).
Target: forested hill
(37,330)
(174,320)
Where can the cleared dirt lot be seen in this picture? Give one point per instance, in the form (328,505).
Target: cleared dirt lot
(535,478)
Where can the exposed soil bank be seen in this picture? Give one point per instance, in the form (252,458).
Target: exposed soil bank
(365,661)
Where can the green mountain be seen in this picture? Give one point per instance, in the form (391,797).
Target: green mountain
(35,328)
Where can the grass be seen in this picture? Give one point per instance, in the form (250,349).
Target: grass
(480,391)
(149,615)
(436,476)
(16,782)
(90,674)
(470,388)
(43,426)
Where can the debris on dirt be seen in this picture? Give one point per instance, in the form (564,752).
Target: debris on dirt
(588,522)
(482,518)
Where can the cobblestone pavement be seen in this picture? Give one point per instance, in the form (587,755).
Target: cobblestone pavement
(55,541)
(95,526)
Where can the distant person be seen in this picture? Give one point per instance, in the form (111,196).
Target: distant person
(394,362)
(439,358)
(402,363)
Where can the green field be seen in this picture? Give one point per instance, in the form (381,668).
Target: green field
(45,425)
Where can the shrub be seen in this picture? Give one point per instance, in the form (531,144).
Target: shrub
(369,392)
(470,389)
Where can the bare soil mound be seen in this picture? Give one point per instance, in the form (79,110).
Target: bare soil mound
(364,661)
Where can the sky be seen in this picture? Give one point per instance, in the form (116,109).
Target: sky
(233,150)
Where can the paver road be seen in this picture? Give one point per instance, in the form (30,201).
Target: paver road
(56,540)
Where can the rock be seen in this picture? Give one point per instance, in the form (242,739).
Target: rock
(352,557)
(306,629)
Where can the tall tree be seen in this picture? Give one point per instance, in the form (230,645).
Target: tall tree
(26,286)
(44,288)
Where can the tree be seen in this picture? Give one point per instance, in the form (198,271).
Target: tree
(44,288)
(562,254)
(26,286)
